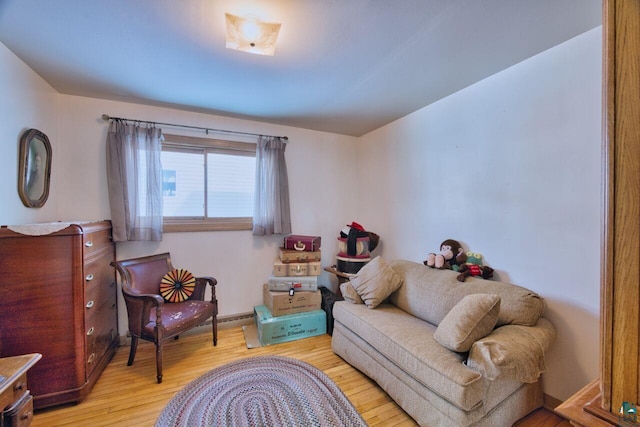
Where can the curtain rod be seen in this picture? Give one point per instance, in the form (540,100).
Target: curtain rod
(107,117)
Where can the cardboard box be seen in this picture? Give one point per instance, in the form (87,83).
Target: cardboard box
(273,330)
(281,303)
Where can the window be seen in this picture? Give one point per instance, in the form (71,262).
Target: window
(207,184)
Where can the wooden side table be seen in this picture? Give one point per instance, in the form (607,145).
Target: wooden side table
(342,277)
(16,402)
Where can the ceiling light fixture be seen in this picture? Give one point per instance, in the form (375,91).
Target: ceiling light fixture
(251,35)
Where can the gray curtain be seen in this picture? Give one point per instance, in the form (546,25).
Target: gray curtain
(272,214)
(134,176)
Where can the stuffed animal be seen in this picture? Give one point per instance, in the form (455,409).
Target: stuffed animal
(450,257)
(473,267)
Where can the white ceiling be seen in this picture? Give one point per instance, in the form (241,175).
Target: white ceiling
(342,66)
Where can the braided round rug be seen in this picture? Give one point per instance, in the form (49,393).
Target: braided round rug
(261,391)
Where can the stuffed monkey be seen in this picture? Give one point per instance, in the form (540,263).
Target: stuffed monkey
(450,257)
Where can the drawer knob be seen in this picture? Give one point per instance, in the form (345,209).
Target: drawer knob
(90,331)
(91,358)
(19,386)
(26,415)
(90,304)
(89,244)
(89,277)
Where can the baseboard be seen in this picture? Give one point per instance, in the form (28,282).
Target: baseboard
(234,320)
(551,403)
(224,322)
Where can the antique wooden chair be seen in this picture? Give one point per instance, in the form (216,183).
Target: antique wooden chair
(150,316)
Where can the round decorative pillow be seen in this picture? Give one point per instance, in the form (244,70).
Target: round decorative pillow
(177,285)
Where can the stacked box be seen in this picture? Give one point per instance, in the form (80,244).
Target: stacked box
(283,303)
(298,264)
(354,248)
(350,265)
(273,330)
(291,300)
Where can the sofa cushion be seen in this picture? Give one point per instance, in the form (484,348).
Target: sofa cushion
(426,406)
(408,343)
(430,294)
(513,351)
(471,319)
(375,282)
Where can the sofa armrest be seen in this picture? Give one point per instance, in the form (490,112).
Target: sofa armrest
(513,351)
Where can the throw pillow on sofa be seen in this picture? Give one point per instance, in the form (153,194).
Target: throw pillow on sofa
(375,282)
(349,293)
(471,319)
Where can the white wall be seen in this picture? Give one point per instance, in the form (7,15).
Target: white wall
(26,102)
(510,167)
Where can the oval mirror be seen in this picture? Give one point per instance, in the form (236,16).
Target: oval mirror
(34,169)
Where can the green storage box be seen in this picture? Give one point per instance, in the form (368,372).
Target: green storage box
(290,327)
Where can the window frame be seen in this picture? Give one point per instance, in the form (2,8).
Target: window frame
(204,145)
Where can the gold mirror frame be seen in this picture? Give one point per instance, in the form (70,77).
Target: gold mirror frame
(34,168)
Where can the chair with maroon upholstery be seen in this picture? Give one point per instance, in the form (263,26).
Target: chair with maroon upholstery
(150,316)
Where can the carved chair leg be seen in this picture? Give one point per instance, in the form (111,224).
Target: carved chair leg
(132,352)
(159,361)
(214,322)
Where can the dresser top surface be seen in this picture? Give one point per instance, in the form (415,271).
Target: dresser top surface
(13,367)
(53,228)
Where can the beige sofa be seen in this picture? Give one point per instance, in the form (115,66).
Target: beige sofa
(491,378)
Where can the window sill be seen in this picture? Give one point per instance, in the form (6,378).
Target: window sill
(220,224)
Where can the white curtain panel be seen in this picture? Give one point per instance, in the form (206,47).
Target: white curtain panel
(272,214)
(134,175)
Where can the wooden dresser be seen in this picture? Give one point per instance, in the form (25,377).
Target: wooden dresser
(59,299)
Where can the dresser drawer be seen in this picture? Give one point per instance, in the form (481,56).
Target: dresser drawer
(99,282)
(101,330)
(21,413)
(18,389)
(96,242)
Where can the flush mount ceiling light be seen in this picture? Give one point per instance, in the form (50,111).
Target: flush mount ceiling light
(251,35)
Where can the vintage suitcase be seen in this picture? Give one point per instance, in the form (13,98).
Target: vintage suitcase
(297,242)
(328,299)
(285,284)
(314,268)
(276,329)
(296,268)
(288,256)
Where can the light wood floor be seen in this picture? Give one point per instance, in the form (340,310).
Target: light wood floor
(129,395)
